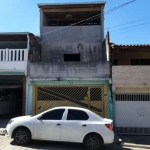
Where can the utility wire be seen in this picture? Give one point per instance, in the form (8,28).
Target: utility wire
(113,9)
(129,30)
(130,27)
(88,19)
(127,23)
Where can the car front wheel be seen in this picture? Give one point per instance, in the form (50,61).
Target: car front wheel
(22,136)
(93,142)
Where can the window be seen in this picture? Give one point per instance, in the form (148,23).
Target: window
(140,61)
(77,115)
(53,115)
(66,18)
(71,57)
(133,97)
(115,62)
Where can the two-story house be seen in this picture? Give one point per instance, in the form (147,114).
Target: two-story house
(131,87)
(73,70)
(15,48)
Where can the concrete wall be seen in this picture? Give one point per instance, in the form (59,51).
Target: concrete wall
(59,40)
(131,76)
(69,70)
(85,40)
(89,51)
(71,33)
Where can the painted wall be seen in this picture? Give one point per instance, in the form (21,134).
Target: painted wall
(13,60)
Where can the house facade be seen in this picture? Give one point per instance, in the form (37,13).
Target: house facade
(73,70)
(14,51)
(131,87)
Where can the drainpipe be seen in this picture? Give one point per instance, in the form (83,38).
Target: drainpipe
(26,74)
(110,81)
(28,41)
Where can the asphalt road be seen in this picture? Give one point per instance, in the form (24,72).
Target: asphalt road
(8,144)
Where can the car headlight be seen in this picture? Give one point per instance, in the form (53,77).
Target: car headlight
(10,121)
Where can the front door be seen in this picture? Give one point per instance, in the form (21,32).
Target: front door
(49,126)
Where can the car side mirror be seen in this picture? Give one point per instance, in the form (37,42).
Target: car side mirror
(39,118)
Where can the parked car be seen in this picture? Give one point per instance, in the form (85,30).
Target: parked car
(68,124)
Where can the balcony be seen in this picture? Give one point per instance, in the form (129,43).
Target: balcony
(131,76)
(13,60)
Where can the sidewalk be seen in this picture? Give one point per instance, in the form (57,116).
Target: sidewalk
(133,141)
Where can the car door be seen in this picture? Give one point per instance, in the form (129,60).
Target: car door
(49,125)
(75,125)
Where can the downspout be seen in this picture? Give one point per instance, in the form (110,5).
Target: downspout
(110,81)
(26,73)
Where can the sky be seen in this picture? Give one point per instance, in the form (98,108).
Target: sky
(127,25)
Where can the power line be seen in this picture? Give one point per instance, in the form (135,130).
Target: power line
(127,23)
(130,27)
(128,30)
(113,9)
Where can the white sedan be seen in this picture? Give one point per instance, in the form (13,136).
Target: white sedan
(68,124)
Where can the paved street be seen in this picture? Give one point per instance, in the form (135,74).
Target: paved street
(7,144)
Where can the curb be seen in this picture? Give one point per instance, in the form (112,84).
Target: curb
(118,140)
(2,132)
(135,145)
(121,143)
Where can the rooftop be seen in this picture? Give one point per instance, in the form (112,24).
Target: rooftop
(44,5)
(129,45)
(15,33)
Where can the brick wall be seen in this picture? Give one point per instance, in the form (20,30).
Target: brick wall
(131,76)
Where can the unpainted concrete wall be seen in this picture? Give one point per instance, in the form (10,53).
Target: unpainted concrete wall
(89,51)
(69,70)
(71,33)
(85,40)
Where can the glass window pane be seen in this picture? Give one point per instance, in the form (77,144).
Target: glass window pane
(77,115)
(53,115)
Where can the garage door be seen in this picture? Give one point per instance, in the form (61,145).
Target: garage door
(132,113)
(78,96)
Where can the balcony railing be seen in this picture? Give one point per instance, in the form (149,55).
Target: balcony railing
(13,60)
(13,54)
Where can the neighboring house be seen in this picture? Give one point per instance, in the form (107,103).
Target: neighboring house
(73,70)
(131,87)
(14,50)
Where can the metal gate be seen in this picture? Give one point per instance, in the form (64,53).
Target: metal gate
(132,113)
(78,96)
